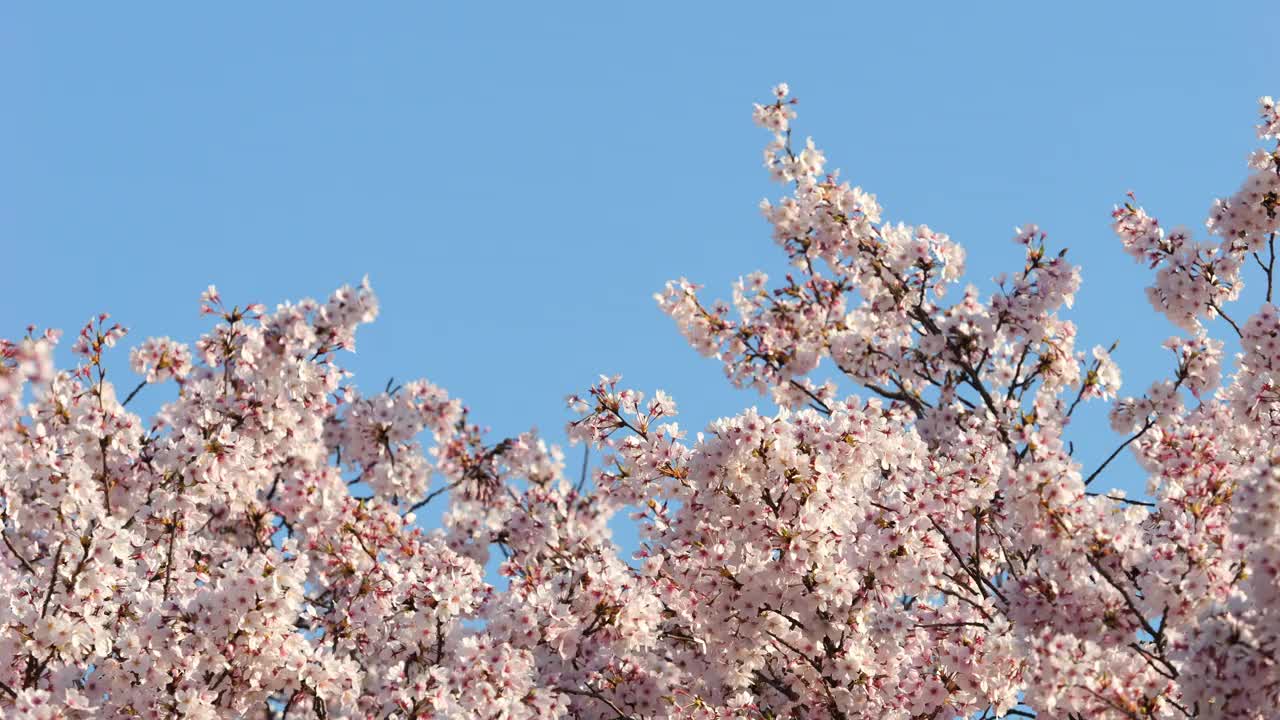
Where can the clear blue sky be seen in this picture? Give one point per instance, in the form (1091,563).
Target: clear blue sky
(517,181)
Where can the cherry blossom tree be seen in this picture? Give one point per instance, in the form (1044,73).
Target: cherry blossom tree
(908,536)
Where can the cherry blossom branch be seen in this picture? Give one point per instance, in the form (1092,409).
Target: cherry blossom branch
(347,605)
(26,564)
(1157,634)
(1090,380)
(1271,263)
(832,705)
(433,495)
(53,579)
(818,403)
(168,555)
(1117,498)
(582,477)
(1109,703)
(1226,317)
(776,684)
(977,576)
(1268,267)
(284,714)
(133,393)
(595,694)
(1094,475)
(957,624)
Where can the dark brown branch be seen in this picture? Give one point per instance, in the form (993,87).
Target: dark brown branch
(1094,475)
(595,695)
(1226,317)
(168,563)
(982,582)
(26,564)
(1125,500)
(1157,635)
(434,494)
(134,393)
(53,579)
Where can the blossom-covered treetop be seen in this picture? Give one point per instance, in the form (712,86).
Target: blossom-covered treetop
(913,541)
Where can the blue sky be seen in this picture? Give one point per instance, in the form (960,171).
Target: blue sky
(518,179)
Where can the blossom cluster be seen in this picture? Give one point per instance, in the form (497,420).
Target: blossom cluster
(909,535)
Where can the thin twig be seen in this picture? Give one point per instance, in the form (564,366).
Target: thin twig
(1226,317)
(53,578)
(1126,500)
(1093,475)
(582,480)
(135,392)
(594,694)
(26,564)
(436,493)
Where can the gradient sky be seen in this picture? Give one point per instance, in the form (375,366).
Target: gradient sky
(517,181)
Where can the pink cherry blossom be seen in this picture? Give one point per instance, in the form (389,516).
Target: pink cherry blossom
(910,534)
